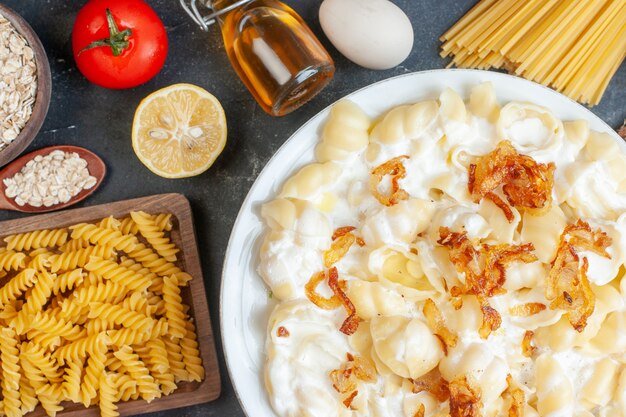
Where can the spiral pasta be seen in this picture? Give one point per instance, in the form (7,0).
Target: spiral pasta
(104,292)
(71,260)
(67,281)
(114,313)
(10,372)
(163,222)
(121,275)
(108,395)
(17,286)
(35,301)
(11,260)
(104,237)
(191,354)
(39,259)
(146,386)
(81,348)
(174,307)
(83,320)
(126,387)
(28,395)
(150,230)
(95,367)
(74,244)
(160,266)
(123,337)
(37,239)
(38,380)
(71,380)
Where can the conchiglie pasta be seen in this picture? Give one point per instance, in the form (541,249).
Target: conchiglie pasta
(600,387)
(555,393)
(480,364)
(483,102)
(502,230)
(398,266)
(561,335)
(452,106)
(372,299)
(544,232)
(313,333)
(345,133)
(406,123)
(530,127)
(611,338)
(398,224)
(311,181)
(394,338)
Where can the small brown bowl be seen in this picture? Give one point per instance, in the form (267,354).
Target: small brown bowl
(44,88)
(95,165)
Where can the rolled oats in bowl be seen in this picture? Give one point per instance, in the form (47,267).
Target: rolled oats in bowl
(18,82)
(50,180)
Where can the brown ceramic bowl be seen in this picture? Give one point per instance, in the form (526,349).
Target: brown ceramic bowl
(44,87)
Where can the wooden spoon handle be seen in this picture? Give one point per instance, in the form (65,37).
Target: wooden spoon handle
(4,201)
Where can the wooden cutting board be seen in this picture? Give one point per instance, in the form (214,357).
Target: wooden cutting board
(194,295)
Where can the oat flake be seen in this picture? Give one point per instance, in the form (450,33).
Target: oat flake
(18,82)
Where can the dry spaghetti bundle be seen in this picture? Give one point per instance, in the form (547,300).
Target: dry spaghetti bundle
(571,45)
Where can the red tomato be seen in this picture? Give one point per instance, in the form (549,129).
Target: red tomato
(118,43)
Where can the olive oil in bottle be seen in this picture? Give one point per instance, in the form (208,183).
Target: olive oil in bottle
(274,52)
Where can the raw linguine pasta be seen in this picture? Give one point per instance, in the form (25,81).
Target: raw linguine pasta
(573,46)
(455,258)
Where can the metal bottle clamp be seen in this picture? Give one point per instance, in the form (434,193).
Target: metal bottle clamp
(191,7)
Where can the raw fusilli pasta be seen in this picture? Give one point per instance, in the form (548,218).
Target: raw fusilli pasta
(84,318)
(36,239)
(150,230)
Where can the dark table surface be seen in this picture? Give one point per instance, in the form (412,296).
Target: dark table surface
(99,119)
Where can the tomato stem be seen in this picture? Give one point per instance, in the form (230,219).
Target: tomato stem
(117,41)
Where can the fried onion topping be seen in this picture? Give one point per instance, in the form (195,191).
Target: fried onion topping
(325,303)
(491,319)
(342,231)
(338,249)
(397,171)
(465,398)
(527,310)
(345,378)
(348,401)
(351,323)
(518,399)
(421,410)
(525,183)
(437,324)
(527,348)
(485,267)
(568,287)
(433,383)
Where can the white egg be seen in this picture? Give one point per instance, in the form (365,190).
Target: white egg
(375,34)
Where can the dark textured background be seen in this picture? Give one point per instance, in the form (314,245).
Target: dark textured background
(86,115)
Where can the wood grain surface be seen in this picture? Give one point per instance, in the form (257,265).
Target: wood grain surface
(194,295)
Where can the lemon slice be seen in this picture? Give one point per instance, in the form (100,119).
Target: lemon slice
(179,131)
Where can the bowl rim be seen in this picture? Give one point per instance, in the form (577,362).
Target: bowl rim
(44,88)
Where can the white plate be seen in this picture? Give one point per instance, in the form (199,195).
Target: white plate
(244,300)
